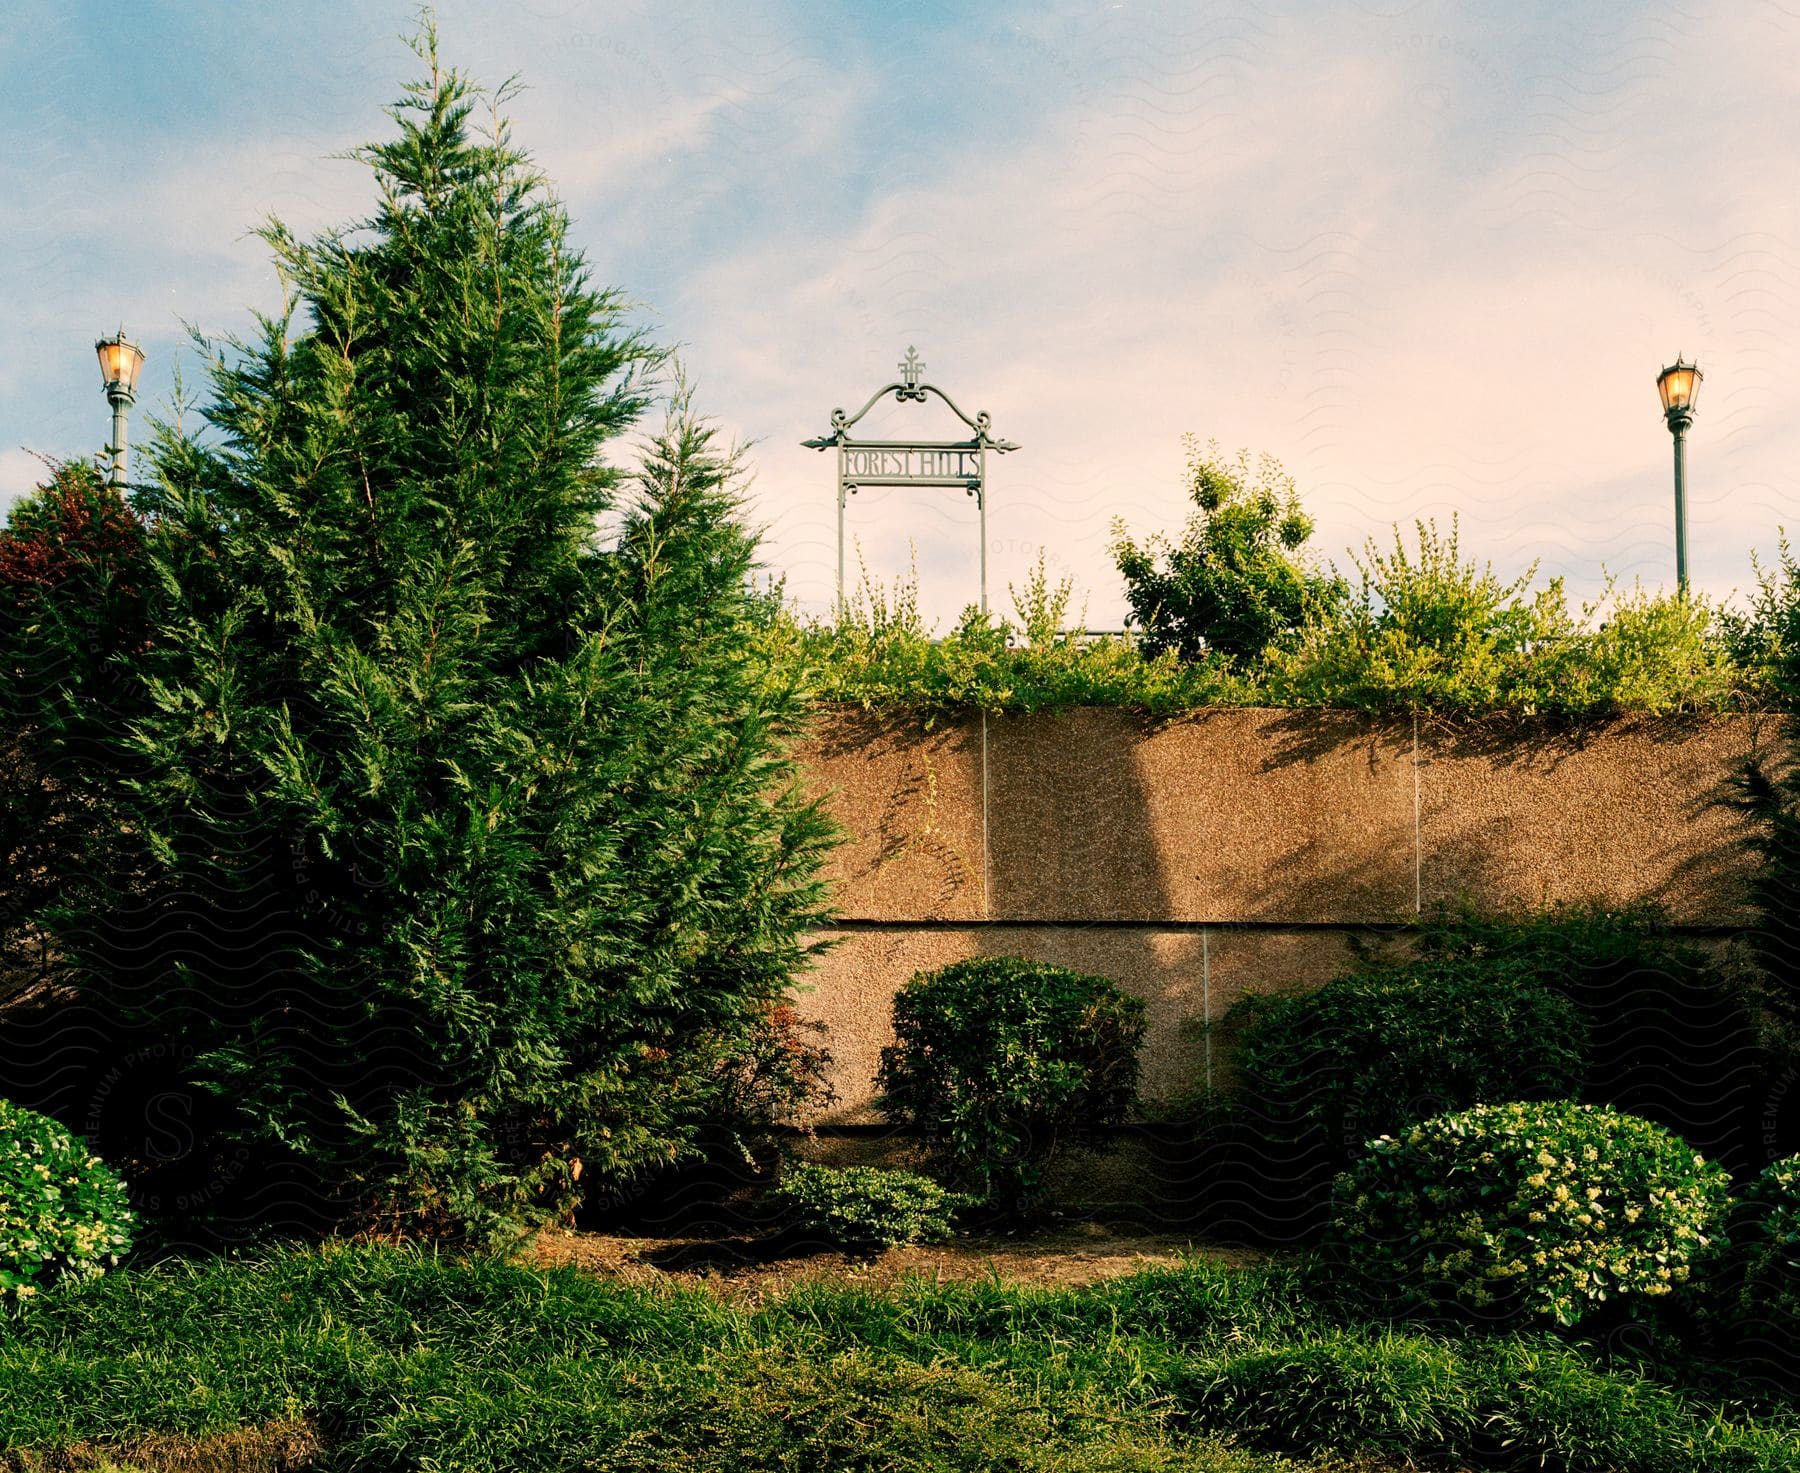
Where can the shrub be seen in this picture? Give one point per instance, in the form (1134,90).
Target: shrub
(878,652)
(1670,1032)
(865,1206)
(1654,653)
(62,1210)
(1373,1051)
(1542,1210)
(999,1059)
(73,582)
(1768,794)
(1762,1266)
(1765,641)
(1426,631)
(1236,581)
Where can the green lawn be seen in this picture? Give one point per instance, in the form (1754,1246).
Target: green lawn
(400,1359)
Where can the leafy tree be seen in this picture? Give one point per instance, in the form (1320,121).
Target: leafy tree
(468,860)
(73,589)
(1236,581)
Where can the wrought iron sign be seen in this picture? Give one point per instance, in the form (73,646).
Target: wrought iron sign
(953,463)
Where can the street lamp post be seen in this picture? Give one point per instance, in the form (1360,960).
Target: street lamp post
(1679,384)
(120,361)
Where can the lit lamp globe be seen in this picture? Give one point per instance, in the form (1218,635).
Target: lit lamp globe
(1679,384)
(120,360)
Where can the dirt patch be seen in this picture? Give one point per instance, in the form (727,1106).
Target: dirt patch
(277,1447)
(1064,1256)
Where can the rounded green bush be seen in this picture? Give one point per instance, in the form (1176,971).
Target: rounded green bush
(998,1060)
(62,1210)
(865,1206)
(1371,1052)
(1526,1208)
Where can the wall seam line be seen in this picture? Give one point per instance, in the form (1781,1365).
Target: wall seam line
(1418,838)
(1206,1002)
(987,864)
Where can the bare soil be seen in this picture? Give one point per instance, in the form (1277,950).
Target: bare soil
(1061,1256)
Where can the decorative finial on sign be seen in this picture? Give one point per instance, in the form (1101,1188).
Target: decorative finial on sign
(910,369)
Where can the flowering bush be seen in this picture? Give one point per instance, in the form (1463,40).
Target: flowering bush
(61,1209)
(1526,1209)
(864,1206)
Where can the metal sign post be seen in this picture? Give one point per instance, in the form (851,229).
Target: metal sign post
(911,462)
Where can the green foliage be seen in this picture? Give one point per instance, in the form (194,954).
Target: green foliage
(1374,1051)
(1671,1031)
(1236,583)
(1514,1402)
(1654,654)
(1761,1269)
(1426,632)
(879,653)
(1768,795)
(763,1077)
(997,1060)
(1605,1005)
(1765,641)
(62,1211)
(74,581)
(864,1206)
(1526,1209)
(465,853)
(410,1358)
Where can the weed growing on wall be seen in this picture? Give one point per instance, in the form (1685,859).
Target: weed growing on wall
(1426,631)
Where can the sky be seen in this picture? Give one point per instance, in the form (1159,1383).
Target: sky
(1431,256)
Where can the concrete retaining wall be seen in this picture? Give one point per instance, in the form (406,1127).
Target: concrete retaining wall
(1196,859)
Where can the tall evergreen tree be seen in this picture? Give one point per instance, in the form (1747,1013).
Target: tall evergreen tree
(466,854)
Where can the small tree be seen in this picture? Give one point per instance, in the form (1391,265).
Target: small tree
(464,852)
(1236,581)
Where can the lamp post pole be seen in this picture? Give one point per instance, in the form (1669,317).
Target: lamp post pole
(1678,427)
(121,402)
(1679,385)
(120,360)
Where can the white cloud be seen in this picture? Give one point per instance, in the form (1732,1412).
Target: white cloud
(1430,257)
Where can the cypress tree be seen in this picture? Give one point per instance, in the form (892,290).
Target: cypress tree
(467,862)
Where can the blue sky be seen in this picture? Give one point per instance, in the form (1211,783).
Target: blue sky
(1430,255)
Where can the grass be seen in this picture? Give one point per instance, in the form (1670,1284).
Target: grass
(402,1360)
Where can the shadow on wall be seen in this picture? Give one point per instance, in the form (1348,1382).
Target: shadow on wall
(1246,869)
(1234,851)
(1621,814)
